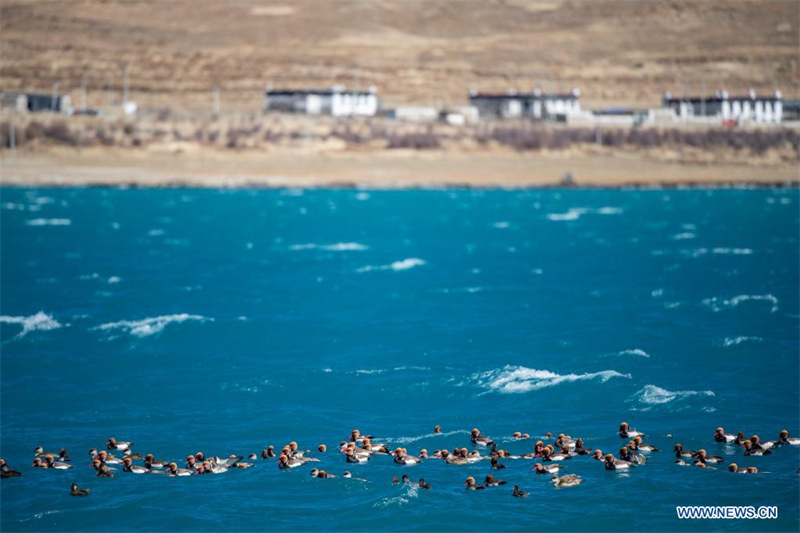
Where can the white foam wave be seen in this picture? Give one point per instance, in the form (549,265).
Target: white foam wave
(574,213)
(683,236)
(397,266)
(150,326)
(395,369)
(635,351)
(654,395)
(409,440)
(718,304)
(338,247)
(517,379)
(41,321)
(733,341)
(49,222)
(698,252)
(501,225)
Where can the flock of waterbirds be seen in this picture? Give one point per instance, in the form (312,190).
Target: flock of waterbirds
(360,449)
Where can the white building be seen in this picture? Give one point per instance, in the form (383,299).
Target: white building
(722,106)
(536,104)
(336,101)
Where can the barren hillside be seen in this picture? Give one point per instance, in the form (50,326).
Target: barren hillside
(617,52)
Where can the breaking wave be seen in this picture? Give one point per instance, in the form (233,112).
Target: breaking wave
(653,395)
(41,321)
(338,247)
(733,341)
(718,304)
(397,266)
(516,379)
(150,326)
(574,213)
(49,222)
(635,351)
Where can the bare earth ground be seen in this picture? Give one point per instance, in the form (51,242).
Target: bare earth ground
(619,52)
(216,168)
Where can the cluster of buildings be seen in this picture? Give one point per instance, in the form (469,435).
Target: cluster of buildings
(720,109)
(536,105)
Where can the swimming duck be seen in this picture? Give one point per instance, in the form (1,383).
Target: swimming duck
(490,481)
(269,452)
(379,449)
(565,440)
(38,463)
(703,456)
(113,444)
(784,438)
(6,472)
(496,465)
(519,493)
(569,480)
(733,467)
(580,449)
(611,463)
(150,460)
(758,445)
(453,459)
(625,454)
(62,456)
(128,466)
(680,452)
(597,455)
(750,450)
(437,429)
(470,484)
(352,455)
(643,446)
(355,435)
(626,433)
(721,436)
(423,454)
(548,455)
(75,491)
(539,468)
(285,462)
(402,458)
(56,464)
(173,470)
(480,440)
(423,484)
(102,470)
(320,473)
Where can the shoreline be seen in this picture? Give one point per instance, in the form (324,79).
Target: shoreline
(401,169)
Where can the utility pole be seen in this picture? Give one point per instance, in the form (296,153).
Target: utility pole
(125,89)
(12,137)
(54,97)
(83,94)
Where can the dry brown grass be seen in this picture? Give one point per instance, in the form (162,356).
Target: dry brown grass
(413,50)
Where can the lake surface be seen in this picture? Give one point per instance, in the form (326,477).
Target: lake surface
(224,321)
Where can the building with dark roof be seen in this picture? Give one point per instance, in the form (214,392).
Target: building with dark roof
(749,108)
(535,104)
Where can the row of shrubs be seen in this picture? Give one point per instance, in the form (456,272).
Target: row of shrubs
(522,138)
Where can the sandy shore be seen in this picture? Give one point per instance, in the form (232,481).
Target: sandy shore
(378,169)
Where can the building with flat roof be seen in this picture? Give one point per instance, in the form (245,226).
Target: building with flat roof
(748,108)
(336,101)
(536,104)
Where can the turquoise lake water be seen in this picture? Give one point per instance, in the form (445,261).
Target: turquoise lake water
(224,321)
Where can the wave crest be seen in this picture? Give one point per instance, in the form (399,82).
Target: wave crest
(635,351)
(718,304)
(397,266)
(654,395)
(517,379)
(150,326)
(41,321)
